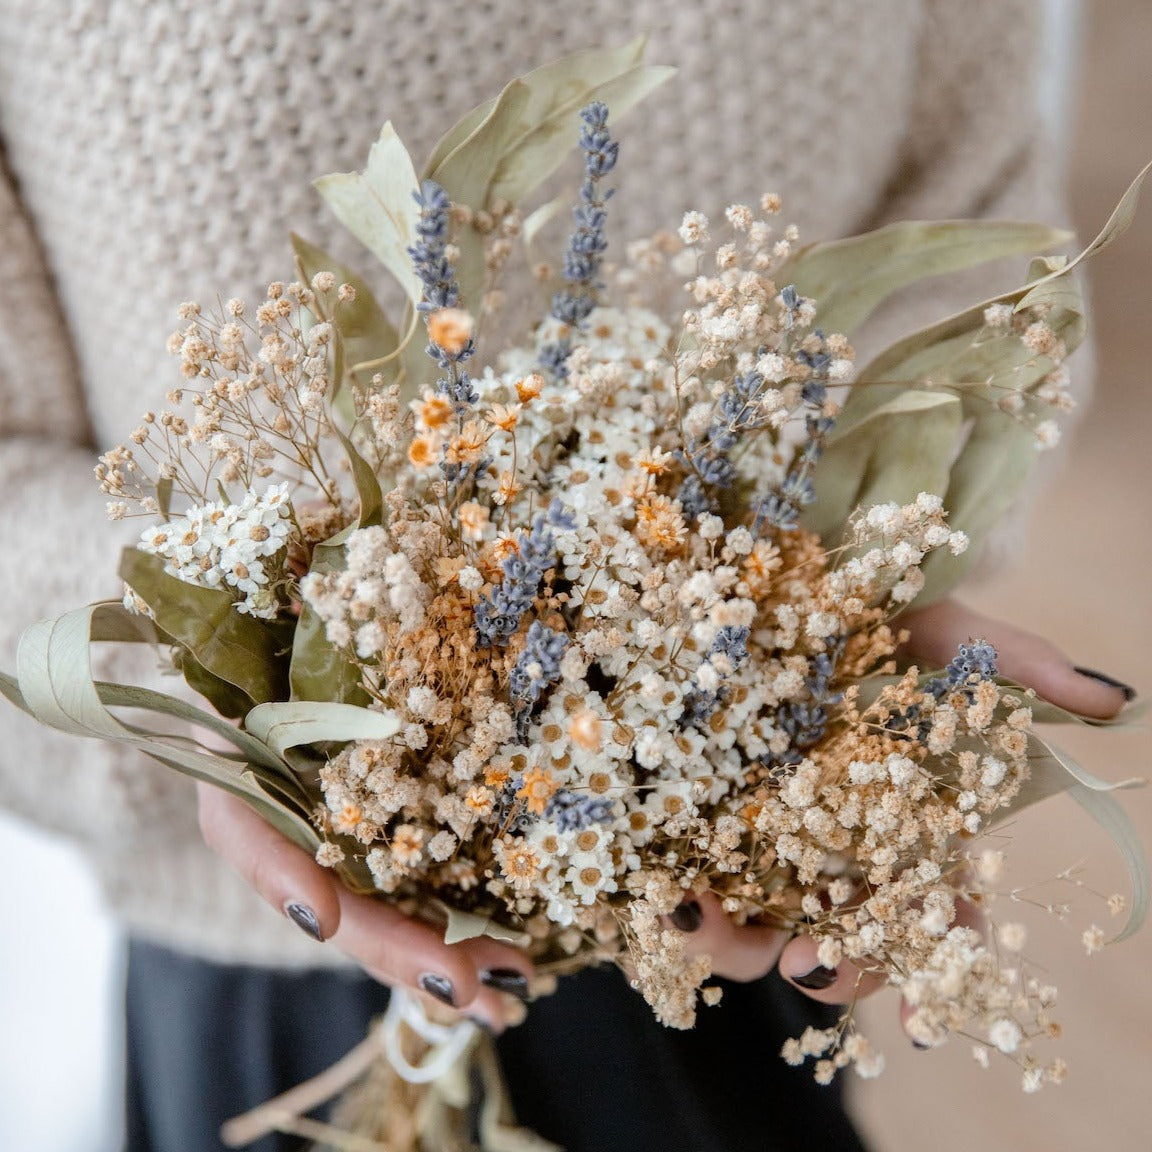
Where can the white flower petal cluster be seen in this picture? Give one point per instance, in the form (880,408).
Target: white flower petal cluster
(220,545)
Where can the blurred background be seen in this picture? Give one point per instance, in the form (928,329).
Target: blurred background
(1083,580)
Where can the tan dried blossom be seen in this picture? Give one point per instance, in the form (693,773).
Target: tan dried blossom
(468,446)
(433,412)
(423,452)
(473,520)
(660,523)
(503,416)
(450,329)
(538,788)
(530,387)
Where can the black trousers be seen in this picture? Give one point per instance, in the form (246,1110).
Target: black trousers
(591,1069)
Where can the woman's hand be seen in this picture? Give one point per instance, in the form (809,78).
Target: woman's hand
(752,951)
(476,976)
(1023,657)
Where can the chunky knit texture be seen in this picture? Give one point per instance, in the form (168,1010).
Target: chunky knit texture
(161,151)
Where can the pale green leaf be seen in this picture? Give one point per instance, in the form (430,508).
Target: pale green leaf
(859,468)
(378,208)
(55,686)
(290,724)
(371,499)
(567,78)
(1117,224)
(1114,820)
(468,926)
(112,621)
(1054,771)
(542,150)
(850,278)
(1044,712)
(508,147)
(539,219)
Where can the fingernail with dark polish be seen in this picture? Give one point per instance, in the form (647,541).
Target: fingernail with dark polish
(304,918)
(920,1046)
(820,977)
(440,987)
(687,917)
(1111,681)
(506,980)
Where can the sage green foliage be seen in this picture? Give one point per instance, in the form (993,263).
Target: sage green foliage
(504,150)
(318,670)
(922,415)
(246,653)
(500,152)
(363,332)
(919,418)
(54,684)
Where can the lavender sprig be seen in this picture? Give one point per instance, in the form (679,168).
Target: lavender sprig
(498,616)
(731,642)
(781,508)
(587,243)
(805,721)
(441,290)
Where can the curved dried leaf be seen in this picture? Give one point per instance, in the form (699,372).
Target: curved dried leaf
(542,150)
(55,686)
(859,467)
(291,724)
(467,926)
(366,331)
(566,78)
(1054,771)
(850,278)
(378,208)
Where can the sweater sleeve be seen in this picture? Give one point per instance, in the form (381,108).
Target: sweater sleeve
(136,819)
(58,551)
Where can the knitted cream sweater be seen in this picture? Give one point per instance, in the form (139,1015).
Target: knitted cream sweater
(160,151)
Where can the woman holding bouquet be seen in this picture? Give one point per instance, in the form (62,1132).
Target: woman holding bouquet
(169,164)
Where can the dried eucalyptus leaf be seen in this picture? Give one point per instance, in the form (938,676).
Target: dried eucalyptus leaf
(542,150)
(468,926)
(850,278)
(371,499)
(1054,771)
(111,621)
(859,468)
(284,725)
(567,78)
(1116,225)
(239,649)
(1114,820)
(55,685)
(378,208)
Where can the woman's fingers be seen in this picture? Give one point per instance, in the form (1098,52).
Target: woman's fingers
(737,953)
(484,978)
(938,630)
(286,876)
(800,966)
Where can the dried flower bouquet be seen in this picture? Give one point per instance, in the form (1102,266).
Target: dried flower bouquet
(542,649)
